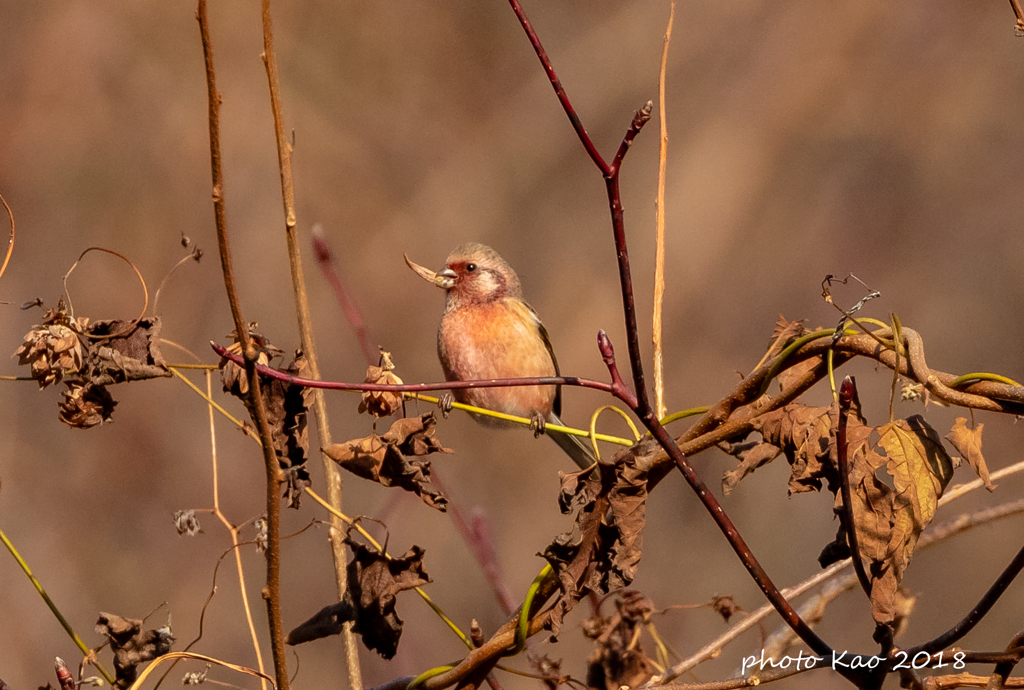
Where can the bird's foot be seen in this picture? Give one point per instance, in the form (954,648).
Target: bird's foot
(444,401)
(538,425)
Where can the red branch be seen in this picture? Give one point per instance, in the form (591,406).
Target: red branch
(418,387)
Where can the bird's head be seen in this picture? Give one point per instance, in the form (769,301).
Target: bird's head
(473,273)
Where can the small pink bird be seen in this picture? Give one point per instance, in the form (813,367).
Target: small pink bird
(489,332)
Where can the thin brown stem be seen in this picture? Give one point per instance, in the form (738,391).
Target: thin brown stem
(10,243)
(1003,669)
(233,531)
(254,401)
(610,172)
(1019,14)
(967,623)
(331,472)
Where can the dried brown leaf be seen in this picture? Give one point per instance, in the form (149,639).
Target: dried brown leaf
(787,331)
(752,455)
(52,349)
(889,520)
(85,406)
(800,432)
(120,351)
(618,660)
(380,459)
(329,620)
(415,435)
(968,443)
(362,457)
(725,606)
(601,553)
(374,582)
(232,376)
(286,405)
(381,403)
(132,645)
(186,523)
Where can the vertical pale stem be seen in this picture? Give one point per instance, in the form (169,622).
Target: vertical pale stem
(333,478)
(659,258)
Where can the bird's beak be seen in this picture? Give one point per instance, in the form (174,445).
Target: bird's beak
(445,279)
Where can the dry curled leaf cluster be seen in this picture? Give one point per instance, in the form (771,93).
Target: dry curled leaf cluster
(375,580)
(618,659)
(898,472)
(381,403)
(286,406)
(88,357)
(132,645)
(52,348)
(394,458)
(602,551)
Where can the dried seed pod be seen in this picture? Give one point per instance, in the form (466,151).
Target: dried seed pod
(85,405)
(52,349)
(233,376)
(381,403)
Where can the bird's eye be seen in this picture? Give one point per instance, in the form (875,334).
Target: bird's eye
(470,268)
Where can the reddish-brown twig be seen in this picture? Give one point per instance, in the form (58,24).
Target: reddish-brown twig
(967,623)
(638,401)
(418,387)
(610,172)
(354,316)
(563,98)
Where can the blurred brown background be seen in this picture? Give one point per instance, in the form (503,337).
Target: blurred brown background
(807,138)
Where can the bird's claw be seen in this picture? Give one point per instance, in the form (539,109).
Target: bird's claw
(538,425)
(444,402)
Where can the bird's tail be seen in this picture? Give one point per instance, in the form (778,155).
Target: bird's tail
(574,446)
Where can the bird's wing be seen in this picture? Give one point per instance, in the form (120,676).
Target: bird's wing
(557,403)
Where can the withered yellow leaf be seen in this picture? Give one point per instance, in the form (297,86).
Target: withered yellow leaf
(918,464)
(888,520)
